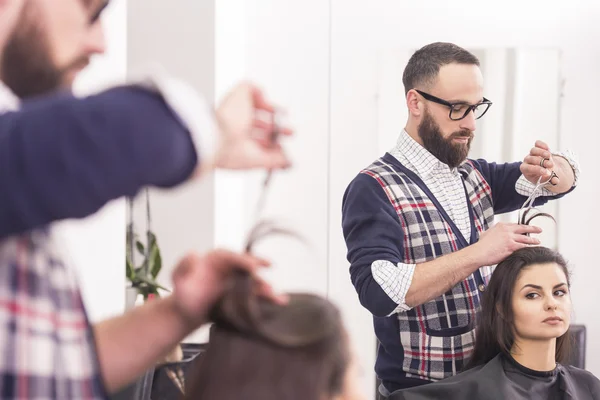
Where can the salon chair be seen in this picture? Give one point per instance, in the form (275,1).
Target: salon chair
(578,337)
(155,385)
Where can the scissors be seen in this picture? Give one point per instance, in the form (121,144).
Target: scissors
(527,207)
(263,228)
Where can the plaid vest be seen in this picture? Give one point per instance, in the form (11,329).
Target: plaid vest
(437,336)
(47,344)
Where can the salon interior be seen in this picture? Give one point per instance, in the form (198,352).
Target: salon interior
(335,70)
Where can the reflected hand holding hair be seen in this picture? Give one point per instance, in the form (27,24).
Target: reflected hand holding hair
(200,280)
(298,343)
(269,351)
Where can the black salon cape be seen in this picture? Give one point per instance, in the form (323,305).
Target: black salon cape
(503,378)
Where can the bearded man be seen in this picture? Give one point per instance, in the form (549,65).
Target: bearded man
(418,222)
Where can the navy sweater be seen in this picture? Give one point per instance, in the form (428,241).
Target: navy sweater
(63,157)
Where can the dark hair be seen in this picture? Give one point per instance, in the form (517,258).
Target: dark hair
(495,329)
(424,65)
(259,350)
(525,220)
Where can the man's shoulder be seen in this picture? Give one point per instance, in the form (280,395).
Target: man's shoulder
(387,164)
(368,176)
(373,178)
(471,164)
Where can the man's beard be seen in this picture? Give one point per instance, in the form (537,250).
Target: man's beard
(26,64)
(451,154)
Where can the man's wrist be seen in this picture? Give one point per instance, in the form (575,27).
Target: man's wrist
(570,162)
(565,173)
(181,322)
(470,256)
(566,169)
(213,160)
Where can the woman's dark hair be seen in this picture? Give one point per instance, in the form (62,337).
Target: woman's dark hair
(259,350)
(495,329)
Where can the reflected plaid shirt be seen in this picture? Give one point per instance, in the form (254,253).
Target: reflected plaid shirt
(48,350)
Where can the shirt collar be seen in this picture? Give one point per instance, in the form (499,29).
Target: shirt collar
(409,151)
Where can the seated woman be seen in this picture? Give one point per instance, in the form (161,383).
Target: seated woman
(522,339)
(259,350)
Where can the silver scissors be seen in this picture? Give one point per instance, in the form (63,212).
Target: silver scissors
(263,228)
(528,207)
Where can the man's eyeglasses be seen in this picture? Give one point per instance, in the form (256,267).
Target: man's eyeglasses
(460,110)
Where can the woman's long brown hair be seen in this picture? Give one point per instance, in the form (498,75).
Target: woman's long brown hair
(495,329)
(259,350)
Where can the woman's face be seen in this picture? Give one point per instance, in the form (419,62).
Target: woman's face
(541,303)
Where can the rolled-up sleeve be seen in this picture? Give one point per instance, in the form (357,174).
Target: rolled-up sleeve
(374,240)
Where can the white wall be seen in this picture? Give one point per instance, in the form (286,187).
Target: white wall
(230,68)
(96,245)
(288,54)
(179,35)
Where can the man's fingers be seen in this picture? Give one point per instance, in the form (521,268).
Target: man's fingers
(534,170)
(286,131)
(259,101)
(276,159)
(181,271)
(267,154)
(526,240)
(265,290)
(265,130)
(227,260)
(541,145)
(521,229)
(263,125)
(537,161)
(536,151)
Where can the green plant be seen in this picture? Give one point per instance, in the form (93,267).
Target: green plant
(142,276)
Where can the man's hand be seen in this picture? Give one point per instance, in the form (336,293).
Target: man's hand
(246,140)
(198,282)
(539,163)
(123,342)
(502,240)
(434,278)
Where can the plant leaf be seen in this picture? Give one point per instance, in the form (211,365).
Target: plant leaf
(145,281)
(152,283)
(129,271)
(155,261)
(151,238)
(140,247)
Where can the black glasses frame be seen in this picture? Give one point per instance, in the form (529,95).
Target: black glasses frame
(470,107)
